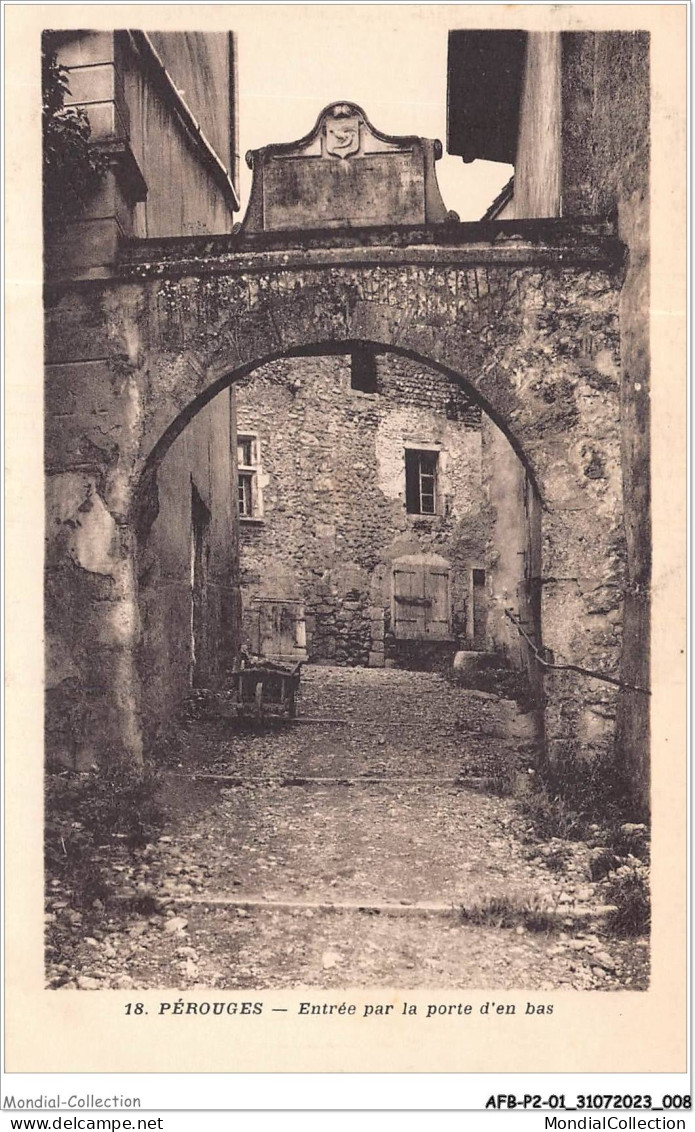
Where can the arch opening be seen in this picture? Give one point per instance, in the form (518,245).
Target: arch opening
(335,577)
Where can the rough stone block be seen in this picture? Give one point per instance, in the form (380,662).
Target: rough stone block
(469,661)
(89,243)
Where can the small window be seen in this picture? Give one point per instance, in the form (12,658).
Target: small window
(248,468)
(245,494)
(363,370)
(245,451)
(420,482)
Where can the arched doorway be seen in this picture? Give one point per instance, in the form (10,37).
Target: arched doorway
(477,311)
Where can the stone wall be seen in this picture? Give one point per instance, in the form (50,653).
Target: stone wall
(186,193)
(201,62)
(333,494)
(538,167)
(585,134)
(606,153)
(513,552)
(146,603)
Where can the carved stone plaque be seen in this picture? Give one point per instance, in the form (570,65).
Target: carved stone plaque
(345,173)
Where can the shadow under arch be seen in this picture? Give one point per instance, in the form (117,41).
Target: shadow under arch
(223,377)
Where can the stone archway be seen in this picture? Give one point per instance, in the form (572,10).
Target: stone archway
(527,321)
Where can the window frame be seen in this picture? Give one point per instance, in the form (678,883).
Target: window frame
(250,473)
(433,452)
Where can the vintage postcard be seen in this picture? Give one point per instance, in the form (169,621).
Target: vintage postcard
(345,538)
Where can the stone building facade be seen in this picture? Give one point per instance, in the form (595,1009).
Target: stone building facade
(367,521)
(188,565)
(162,110)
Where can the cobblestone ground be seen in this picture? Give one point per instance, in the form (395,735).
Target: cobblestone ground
(341,854)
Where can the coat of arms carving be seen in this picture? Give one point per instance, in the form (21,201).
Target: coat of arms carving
(342,132)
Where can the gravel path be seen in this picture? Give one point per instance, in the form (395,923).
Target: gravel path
(368,842)
(243,880)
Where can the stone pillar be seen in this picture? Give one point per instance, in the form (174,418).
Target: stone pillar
(96,66)
(376,653)
(92,415)
(583,583)
(91,628)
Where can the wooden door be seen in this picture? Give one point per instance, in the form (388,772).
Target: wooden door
(278,628)
(479,609)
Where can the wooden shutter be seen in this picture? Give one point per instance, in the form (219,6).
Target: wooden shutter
(281,628)
(437,609)
(409,600)
(421,603)
(412,481)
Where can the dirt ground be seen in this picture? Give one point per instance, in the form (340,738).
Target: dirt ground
(369,851)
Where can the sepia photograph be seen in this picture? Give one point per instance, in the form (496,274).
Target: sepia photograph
(345,557)
(347,568)
(353,679)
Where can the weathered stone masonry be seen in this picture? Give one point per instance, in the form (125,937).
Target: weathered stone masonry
(523,314)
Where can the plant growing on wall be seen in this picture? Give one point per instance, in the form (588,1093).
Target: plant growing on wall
(72,166)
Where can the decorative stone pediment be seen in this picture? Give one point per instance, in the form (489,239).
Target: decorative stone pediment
(344,173)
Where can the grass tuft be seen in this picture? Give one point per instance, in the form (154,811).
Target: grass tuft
(628,890)
(505,911)
(87,811)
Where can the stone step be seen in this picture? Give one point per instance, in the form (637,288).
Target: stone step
(464,782)
(368,907)
(416,908)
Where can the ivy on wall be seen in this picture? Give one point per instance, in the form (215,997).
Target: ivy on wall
(73,167)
